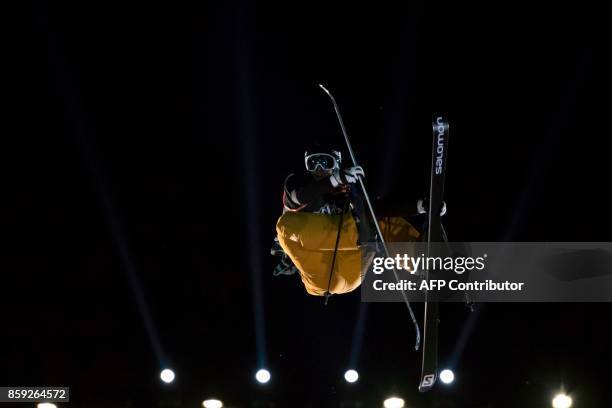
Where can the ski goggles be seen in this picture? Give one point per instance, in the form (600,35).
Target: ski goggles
(322,161)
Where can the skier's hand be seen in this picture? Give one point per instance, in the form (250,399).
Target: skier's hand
(423,207)
(354,172)
(346,176)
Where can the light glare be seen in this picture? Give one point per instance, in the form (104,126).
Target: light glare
(447,376)
(394,402)
(262,376)
(167,375)
(212,403)
(562,401)
(351,376)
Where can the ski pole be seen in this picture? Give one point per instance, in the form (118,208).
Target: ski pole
(333,263)
(372,214)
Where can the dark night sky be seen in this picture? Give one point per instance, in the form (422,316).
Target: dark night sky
(147,149)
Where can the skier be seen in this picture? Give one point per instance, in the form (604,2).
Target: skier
(324,187)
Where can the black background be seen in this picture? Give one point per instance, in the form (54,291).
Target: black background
(146,147)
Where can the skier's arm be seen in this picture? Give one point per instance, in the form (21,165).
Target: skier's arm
(301,190)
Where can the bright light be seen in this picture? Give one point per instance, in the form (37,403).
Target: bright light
(212,403)
(351,376)
(562,401)
(262,376)
(447,376)
(167,375)
(46,405)
(394,402)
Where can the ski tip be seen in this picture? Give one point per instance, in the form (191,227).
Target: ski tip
(323,88)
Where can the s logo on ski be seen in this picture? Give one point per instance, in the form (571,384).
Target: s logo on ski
(428,381)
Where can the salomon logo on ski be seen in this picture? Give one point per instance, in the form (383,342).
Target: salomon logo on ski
(440,128)
(428,380)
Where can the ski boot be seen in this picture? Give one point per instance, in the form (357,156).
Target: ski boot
(285,266)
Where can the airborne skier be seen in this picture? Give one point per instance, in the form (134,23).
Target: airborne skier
(318,199)
(316,202)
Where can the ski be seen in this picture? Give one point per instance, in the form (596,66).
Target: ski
(373,215)
(429,371)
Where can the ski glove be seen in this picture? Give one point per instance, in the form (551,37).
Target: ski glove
(346,176)
(423,207)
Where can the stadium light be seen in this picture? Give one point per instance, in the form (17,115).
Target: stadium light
(562,400)
(447,376)
(212,403)
(167,375)
(351,376)
(46,405)
(394,402)
(262,376)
